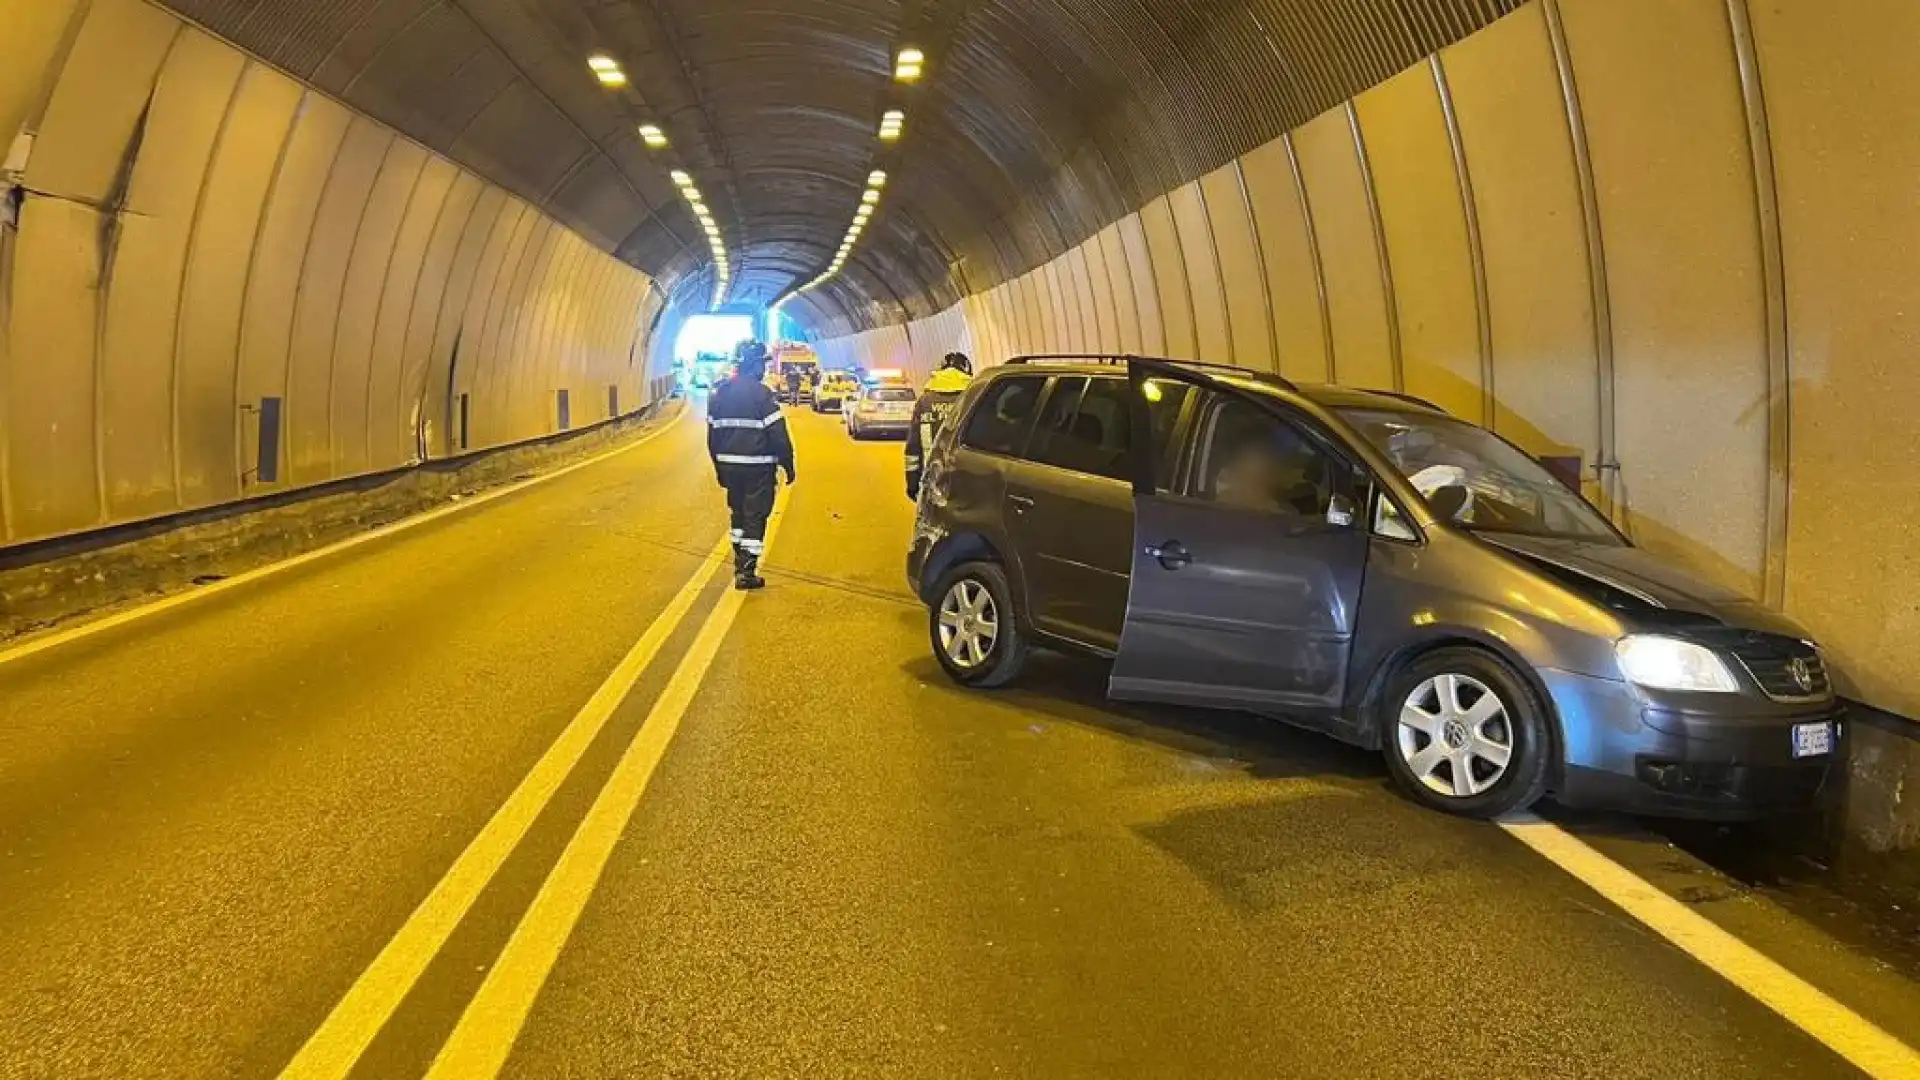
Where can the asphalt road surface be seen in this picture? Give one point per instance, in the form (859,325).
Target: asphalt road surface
(225,828)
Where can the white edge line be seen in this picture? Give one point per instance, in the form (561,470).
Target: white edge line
(335,1047)
(180,599)
(1855,1038)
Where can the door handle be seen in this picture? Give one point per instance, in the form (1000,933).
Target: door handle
(1021,503)
(1173,555)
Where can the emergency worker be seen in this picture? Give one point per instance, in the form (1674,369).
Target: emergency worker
(748,440)
(938,401)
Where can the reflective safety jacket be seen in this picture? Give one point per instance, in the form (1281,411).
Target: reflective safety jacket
(746,429)
(931,414)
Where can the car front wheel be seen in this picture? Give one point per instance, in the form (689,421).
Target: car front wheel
(1463,733)
(974,628)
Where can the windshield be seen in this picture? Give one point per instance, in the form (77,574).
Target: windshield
(1486,483)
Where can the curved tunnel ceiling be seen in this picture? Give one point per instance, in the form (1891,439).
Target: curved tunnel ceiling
(1037,121)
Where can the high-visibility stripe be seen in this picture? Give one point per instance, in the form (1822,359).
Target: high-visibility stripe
(746,459)
(913,462)
(753,547)
(737,422)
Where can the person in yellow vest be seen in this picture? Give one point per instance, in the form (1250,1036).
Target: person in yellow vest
(939,399)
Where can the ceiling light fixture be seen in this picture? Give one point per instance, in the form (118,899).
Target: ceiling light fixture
(681,179)
(877,179)
(907,67)
(653,136)
(607,70)
(891,125)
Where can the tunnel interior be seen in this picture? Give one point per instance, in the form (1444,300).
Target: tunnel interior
(252,246)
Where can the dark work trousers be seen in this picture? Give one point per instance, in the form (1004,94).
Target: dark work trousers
(750,497)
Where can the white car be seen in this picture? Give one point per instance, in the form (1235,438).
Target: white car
(880,410)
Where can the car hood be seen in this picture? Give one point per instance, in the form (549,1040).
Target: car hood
(1639,585)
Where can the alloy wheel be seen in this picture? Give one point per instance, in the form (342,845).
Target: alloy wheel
(969,624)
(1455,735)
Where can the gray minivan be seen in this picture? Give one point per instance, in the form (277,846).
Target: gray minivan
(1364,564)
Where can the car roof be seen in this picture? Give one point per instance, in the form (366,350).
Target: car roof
(1325,395)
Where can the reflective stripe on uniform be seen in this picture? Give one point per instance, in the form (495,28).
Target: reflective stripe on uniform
(746,459)
(772,419)
(913,462)
(736,422)
(753,547)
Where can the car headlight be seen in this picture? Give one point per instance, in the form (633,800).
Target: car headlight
(1664,663)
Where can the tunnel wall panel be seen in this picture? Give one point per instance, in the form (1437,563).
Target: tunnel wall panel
(1513,121)
(214,430)
(1349,259)
(1423,216)
(33,37)
(1136,258)
(1286,250)
(1165,265)
(373,249)
(52,456)
(1661,95)
(392,419)
(1242,277)
(279,258)
(139,409)
(199,232)
(323,283)
(1200,269)
(1852,259)
(98,102)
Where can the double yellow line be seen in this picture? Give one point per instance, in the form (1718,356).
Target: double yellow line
(485,1035)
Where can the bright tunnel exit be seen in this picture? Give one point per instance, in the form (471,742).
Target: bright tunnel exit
(712,335)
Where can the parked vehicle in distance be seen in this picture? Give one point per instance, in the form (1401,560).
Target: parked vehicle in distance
(1366,565)
(836,389)
(880,410)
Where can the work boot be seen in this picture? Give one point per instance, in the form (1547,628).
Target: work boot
(746,575)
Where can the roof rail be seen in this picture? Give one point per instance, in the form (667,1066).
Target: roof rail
(1411,399)
(1124,358)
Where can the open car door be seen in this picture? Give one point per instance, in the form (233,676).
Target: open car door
(1248,558)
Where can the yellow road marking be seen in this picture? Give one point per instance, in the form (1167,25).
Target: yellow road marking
(1845,1032)
(337,1045)
(479,1045)
(88,629)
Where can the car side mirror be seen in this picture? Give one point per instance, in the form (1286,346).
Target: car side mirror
(1449,501)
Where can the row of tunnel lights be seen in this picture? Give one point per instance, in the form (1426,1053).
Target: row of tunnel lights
(613,76)
(908,66)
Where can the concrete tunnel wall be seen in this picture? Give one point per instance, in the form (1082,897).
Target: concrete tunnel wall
(196,232)
(1676,235)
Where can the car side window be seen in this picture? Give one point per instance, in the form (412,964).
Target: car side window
(1093,433)
(998,424)
(1251,459)
(1055,426)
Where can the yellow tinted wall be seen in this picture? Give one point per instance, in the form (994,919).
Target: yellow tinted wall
(1676,237)
(197,233)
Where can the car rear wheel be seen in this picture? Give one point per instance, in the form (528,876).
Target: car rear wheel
(974,628)
(1463,733)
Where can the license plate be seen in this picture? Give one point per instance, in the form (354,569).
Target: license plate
(1812,740)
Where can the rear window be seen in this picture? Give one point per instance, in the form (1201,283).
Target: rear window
(998,424)
(892,395)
